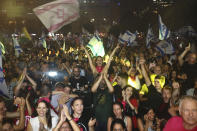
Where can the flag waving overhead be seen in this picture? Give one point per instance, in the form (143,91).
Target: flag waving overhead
(149,37)
(127,37)
(2,48)
(56,14)
(96,46)
(188,31)
(164,33)
(165,47)
(3,86)
(17,47)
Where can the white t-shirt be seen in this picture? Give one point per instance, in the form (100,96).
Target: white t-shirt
(35,123)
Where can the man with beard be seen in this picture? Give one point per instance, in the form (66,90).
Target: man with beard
(78,82)
(164,107)
(102,98)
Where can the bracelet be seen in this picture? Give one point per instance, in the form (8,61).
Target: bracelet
(70,119)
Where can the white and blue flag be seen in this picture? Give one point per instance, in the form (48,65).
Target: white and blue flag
(127,37)
(164,33)
(3,86)
(165,47)
(149,36)
(188,31)
(17,47)
(42,40)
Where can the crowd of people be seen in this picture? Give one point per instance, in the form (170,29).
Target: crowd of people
(129,89)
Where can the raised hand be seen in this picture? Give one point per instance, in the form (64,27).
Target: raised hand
(66,111)
(22,103)
(124,95)
(142,61)
(63,99)
(17,101)
(188,47)
(63,116)
(91,122)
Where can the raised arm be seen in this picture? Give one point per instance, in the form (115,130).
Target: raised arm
(70,119)
(29,108)
(21,124)
(109,85)
(144,73)
(180,58)
(17,88)
(67,69)
(96,84)
(34,85)
(91,124)
(105,70)
(93,68)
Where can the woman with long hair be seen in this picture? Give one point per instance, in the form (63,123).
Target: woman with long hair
(84,120)
(118,113)
(147,120)
(130,103)
(44,121)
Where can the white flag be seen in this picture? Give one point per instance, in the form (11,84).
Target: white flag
(3,86)
(188,31)
(149,37)
(127,37)
(17,47)
(164,33)
(165,47)
(56,14)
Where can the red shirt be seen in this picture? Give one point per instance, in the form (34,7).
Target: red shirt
(176,124)
(99,69)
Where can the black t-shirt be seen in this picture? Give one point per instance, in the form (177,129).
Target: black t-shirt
(154,98)
(163,113)
(83,122)
(81,82)
(117,92)
(102,100)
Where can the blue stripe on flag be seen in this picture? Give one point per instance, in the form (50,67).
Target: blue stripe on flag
(160,26)
(97,37)
(121,40)
(166,34)
(160,50)
(128,33)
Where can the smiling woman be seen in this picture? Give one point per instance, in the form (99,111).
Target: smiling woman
(44,120)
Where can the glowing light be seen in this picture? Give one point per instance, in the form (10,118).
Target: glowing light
(52,73)
(92,20)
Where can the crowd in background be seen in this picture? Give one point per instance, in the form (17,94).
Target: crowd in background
(129,89)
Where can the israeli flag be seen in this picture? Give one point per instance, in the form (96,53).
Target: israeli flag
(17,47)
(2,48)
(3,86)
(127,37)
(165,47)
(149,36)
(42,40)
(187,30)
(164,33)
